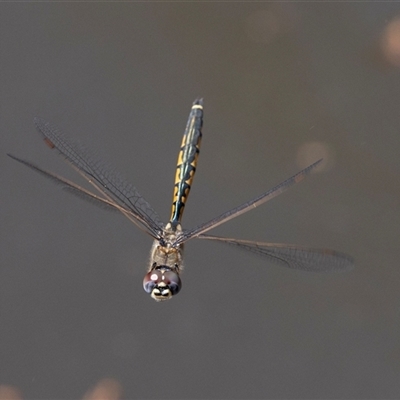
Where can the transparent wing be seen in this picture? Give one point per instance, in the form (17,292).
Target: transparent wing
(78,191)
(103,177)
(69,186)
(249,205)
(292,256)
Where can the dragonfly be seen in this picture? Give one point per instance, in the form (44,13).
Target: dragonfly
(162,279)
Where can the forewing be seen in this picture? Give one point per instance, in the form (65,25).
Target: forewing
(292,256)
(249,205)
(76,189)
(102,176)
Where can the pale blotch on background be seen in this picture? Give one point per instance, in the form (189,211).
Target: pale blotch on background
(9,393)
(264,26)
(106,389)
(390,42)
(311,152)
(124,345)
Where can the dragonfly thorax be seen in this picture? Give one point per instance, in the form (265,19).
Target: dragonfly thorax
(162,280)
(166,255)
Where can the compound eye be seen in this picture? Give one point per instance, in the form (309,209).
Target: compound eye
(163,282)
(173,281)
(150,280)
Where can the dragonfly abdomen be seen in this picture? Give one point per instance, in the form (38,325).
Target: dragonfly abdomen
(187,161)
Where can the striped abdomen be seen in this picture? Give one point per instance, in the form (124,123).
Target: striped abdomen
(187,161)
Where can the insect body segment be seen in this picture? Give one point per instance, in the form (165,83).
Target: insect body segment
(187,161)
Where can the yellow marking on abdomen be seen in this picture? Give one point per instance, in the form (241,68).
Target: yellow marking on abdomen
(187,161)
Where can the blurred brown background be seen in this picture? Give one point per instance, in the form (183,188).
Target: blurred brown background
(283,83)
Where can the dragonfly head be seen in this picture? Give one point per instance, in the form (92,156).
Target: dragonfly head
(162,283)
